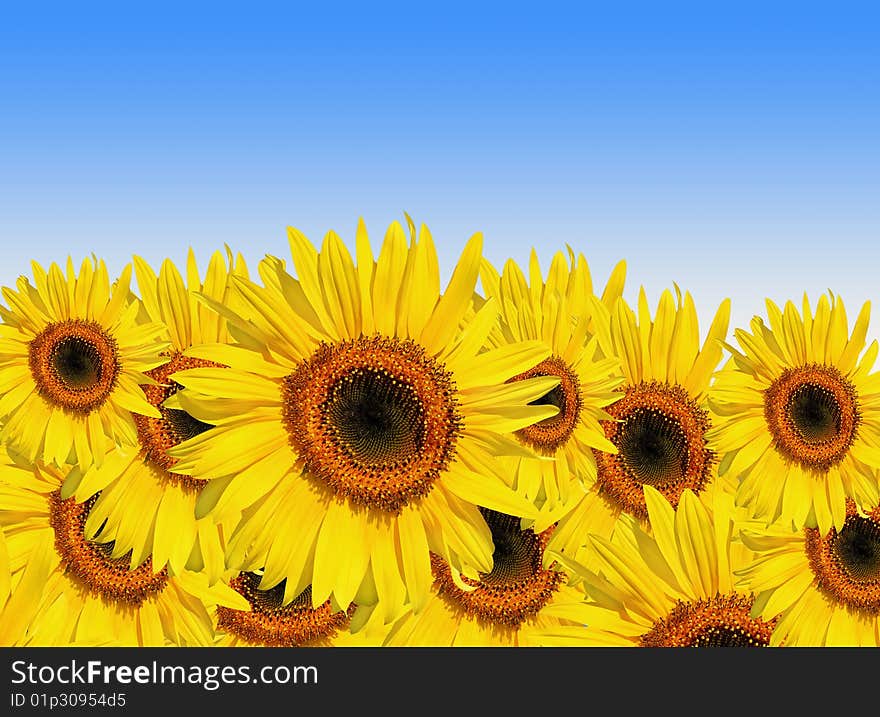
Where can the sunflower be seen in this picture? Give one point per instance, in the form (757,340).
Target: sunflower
(660,424)
(164,525)
(271,623)
(798,415)
(560,313)
(358,423)
(822,588)
(73,355)
(519,603)
(674,586)
(67,589)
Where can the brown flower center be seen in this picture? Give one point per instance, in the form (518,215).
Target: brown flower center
(552,433)
(660,434)
(157,435)
(722,621)
(74,364)
(272,624)
(375,419)
(516,589)
(813,415)
(847,562)
(89,563)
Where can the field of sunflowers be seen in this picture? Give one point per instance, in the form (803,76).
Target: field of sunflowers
(332,448)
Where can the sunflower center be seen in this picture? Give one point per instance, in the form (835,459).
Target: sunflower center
(550,434)
(374,419)
(660,434)
(157,435)
(847,562)
(75,364)
(721,621)
(653,447)
(813,415)
(377,417)
(184,425)
(517,554)
(272,624)
(517,587)
(89,562)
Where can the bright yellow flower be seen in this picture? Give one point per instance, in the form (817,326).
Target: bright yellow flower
(66,589)
(359,423)
(73,356)
(822,588)
(520,603)
(660,425)
(675,586)
(798,415)
(560,312)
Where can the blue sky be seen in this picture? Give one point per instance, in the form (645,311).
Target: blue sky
(733,149)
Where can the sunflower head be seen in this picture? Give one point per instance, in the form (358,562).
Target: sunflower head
(821,588)
(69,588)
(91,562)
(796,419)
(374,412)
(375,419)
(660,424)
(561,312)
(846,562)
(517,587)
(77,350)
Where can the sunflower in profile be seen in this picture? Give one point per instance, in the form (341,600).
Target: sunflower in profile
(675,585)
(519,603)
(164,526)
(358,425)
(798,415)
(73,356)
(660,424)
(68,589)
(823,589)
(271,623)
(559,312)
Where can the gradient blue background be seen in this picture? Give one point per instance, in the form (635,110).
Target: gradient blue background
(731,147)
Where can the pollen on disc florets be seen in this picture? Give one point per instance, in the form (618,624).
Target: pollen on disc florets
(157,435)
(721,621)
(375,419)
(516,589)
(75,364)
(89,561)
(550,434)
(660,434)
(846,562)
(812,413)
(272,624)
